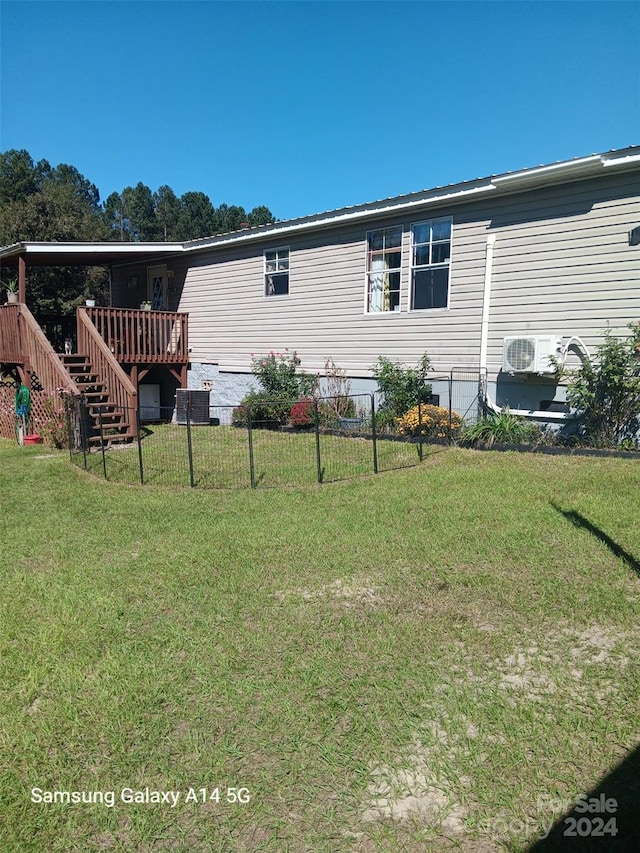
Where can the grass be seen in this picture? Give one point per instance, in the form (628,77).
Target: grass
(221,457)
(420,661)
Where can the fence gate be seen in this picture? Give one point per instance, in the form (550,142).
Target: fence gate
(467,392)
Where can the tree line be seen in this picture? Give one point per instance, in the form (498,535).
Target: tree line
(40,202)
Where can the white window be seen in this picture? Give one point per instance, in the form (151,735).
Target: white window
(430,264)
(384,262)
(276,272)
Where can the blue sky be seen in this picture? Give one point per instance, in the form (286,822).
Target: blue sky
(311,106)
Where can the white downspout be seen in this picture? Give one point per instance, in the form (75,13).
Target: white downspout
(484,338)
(486,301)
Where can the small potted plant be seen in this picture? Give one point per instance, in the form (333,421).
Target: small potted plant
(11,287)
(90,302)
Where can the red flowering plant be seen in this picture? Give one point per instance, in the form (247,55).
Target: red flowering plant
(302,414)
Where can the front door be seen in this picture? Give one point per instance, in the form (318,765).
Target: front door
(157,287)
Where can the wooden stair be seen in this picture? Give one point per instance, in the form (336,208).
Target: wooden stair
(117,425)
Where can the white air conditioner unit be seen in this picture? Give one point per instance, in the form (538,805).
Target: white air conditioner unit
(531,354)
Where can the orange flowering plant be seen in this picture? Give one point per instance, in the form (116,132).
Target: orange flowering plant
(429,420)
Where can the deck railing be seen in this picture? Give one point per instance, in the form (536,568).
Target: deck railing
(142,337)
(122,391)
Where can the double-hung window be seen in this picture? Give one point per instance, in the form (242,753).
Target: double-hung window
(384,261)
(430,263)
(276,272)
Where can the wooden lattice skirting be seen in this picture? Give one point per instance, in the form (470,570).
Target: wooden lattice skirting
(47,414)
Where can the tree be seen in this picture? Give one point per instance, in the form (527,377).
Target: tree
(139,204)
(167,208)
(38,202)
(228,218)
(116,218)
(41,203)
(260,215)
(196,217)
(19,176)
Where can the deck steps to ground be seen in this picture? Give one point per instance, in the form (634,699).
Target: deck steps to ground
(108,424)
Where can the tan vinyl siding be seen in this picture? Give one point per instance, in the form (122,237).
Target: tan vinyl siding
(562,264)
(569,271)
(324,313)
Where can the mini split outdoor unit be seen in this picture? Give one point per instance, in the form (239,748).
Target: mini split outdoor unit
(531,354)
(193,405)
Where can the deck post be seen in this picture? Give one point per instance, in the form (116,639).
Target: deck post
(22,280)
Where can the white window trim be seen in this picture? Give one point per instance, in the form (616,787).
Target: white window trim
(266,295)
(414,225)
(366,271)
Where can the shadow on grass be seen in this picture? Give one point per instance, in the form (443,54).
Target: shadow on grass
(580,521)
(607,818)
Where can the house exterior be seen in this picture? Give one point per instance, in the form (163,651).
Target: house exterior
(547,256)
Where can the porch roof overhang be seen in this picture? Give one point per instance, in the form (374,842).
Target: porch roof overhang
(40,254)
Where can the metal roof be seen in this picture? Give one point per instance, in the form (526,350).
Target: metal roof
(577,168)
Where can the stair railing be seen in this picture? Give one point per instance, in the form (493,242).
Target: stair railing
(10,346)
(39,357)
(120,389)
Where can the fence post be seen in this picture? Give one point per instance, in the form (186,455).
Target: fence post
(316,420)
(482,392)
(252,470)
(373,434)
(67,410)
(450,401)
(189,445)
(104,460)
(420,436)
(138,439)
(84,439)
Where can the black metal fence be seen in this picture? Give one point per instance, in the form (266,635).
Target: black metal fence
(270,443)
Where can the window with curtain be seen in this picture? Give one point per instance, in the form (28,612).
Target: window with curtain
(276,272)
(430,263)
(384,261)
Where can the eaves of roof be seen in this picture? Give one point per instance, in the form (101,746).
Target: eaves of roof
(466,191)
(578,168)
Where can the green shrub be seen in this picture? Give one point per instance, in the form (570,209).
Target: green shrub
(265,414)
(503,428)
(281,384)
(605,392)
(401,387)
(280,378)
(386,421)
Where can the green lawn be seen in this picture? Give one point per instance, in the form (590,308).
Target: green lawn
(221,457)
(425,660)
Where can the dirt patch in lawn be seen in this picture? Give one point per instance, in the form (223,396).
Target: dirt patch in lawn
(347,592)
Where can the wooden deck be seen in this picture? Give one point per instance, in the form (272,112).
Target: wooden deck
(118,347)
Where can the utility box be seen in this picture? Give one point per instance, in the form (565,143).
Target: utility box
(192,405)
